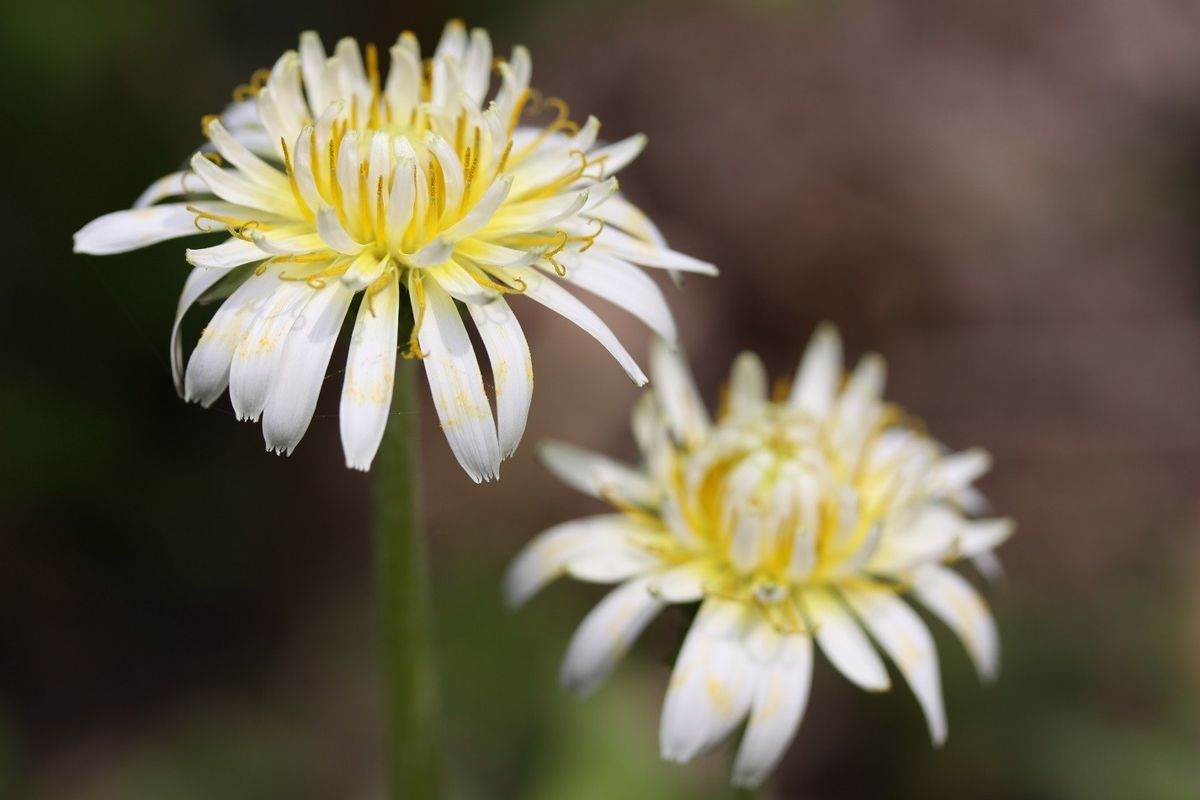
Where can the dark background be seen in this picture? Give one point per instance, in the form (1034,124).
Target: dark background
(1001,197)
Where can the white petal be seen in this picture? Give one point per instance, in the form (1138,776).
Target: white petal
(370,373)
(534,215)
(459,284)
(745,550)
(198,282)
(175,184)
(122,231)
(363,271)
(312,65)
(598,475)
(747,385)
(208,367)
(684,583)
(477,65)
(512,369)
(653,439)
(234,187)
(711,686)
(628,248)
(453,42)
(454,182)
(819,373)
(258,352)
(948,595)
(303,168)
(858,410)
(959,470)
(780,696)
(617,155)
(249,164)
(541,289)
(626,287)
(457,386)
(845,644)
(301,369)
(933,533)
(621,561)
(989,566)
(351,73)
(980,536)
(676,391)
(605,634)
(435,252)
(481,212)
(618,211)
(546,556)
(233,252)
(283,245)
(403,85)
(494,255)
(401,198)
(904,637)
(334,234)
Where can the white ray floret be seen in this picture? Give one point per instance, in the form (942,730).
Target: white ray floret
(804,523)
(409,193)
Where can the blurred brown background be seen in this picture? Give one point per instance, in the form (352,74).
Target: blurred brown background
(1001,197)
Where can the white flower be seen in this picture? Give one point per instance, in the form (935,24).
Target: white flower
(800,519)
(410,191)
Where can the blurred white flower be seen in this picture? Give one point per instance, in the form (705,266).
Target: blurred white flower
(334,182)
(803,518)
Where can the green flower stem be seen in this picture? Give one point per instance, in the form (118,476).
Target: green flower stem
(404,604)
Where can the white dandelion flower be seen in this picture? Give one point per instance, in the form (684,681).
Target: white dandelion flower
(811,517)
(410,191)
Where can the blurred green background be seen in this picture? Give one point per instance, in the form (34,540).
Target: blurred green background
(1002,198)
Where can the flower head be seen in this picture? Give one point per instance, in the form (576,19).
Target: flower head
(808,517)
(410,191)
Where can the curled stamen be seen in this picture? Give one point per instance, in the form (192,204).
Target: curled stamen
(591,239)
(484,279)
(317,279)
(292,258)
(230,223)
(248,90)
(537,101)
(259,79)
(598,161)
(183,187)
(554,186)
(563,120)
(243,231)
(549,255)
(207,120)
